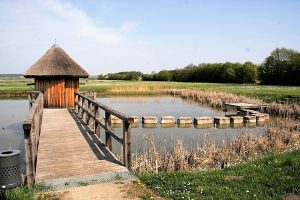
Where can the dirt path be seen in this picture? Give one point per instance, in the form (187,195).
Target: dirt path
(105,191)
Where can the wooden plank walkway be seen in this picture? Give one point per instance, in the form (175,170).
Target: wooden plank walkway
(69,149)
(242,105)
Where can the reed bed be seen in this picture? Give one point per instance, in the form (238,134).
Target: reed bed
(218,99)
(212,98)
(280,135)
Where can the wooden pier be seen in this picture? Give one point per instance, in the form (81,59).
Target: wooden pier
(65,143)
(240,106)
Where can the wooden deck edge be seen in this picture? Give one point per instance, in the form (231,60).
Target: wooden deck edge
(57,184)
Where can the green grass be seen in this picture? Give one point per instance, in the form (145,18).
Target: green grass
(17,86)
(24,193)
(267,93)
(82,183)
(271,177)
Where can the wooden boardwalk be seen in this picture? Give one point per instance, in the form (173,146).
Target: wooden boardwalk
(69,149)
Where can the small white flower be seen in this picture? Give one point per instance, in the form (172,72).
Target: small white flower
(247,190)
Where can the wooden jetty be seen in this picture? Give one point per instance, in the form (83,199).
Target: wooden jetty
(65,143)
(240,106)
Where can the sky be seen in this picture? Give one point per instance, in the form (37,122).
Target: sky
(106,36)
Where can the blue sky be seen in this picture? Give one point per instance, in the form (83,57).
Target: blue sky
(149,35)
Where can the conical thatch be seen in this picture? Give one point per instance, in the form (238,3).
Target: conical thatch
(55,62)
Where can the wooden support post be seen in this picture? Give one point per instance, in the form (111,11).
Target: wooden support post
(76,104)
(107,135)
(127,144)
(79,106)
(83,111)
(97,126)
(28,156)
(90,119)
(30,100)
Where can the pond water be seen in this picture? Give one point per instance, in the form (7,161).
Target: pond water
(13,112)
(171,106)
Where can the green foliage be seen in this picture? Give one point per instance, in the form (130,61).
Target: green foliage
(82,183)
(271,177)
(282,67)
(24,193)
(133,76)
(211,72)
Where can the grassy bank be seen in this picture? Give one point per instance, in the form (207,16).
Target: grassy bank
(267,93)
(24,193)
(271,177)
(17,86)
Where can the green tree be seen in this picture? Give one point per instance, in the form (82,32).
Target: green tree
(281,67)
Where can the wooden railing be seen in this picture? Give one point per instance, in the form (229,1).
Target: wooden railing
(32,128)
(89,110)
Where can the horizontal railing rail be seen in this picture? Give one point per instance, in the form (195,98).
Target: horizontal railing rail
(32,129)
(89,110)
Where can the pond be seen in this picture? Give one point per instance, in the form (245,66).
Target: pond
(13,112)
(171,106)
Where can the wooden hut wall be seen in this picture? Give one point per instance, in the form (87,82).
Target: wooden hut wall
(54,92)
(72,85)
(58,93)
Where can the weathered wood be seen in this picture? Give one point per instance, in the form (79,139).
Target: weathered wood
(108,129)
(127,144)
(108,141)
(92,111)
(28,157)
(110,110)
(239,106)
(69,149)
(32,128)
(97,126)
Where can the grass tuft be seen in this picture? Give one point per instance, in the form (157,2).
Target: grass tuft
(271,177)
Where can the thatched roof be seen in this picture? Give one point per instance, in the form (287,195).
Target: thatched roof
(55,62)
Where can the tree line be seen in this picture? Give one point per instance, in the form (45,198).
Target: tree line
(281,67)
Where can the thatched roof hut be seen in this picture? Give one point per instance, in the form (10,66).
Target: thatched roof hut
(55,62)
(57,75)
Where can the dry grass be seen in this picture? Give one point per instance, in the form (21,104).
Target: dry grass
(218,99)
(280,135)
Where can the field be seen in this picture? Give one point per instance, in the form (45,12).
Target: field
(272,177)
(18,86)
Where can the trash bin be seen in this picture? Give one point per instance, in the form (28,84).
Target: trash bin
(10,171)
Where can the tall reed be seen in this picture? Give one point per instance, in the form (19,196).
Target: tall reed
(218,99)
(280,135)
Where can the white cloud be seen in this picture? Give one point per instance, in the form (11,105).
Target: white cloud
(83,25)
(28,29)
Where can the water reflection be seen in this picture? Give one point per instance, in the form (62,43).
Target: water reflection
(165,135)
(12,114)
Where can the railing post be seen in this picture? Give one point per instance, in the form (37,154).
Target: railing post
(28,157)
(80,108)
(84,115)
(97,116)
(76,104)
(30,100)
(108,126)
(127,144)
(90,118)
